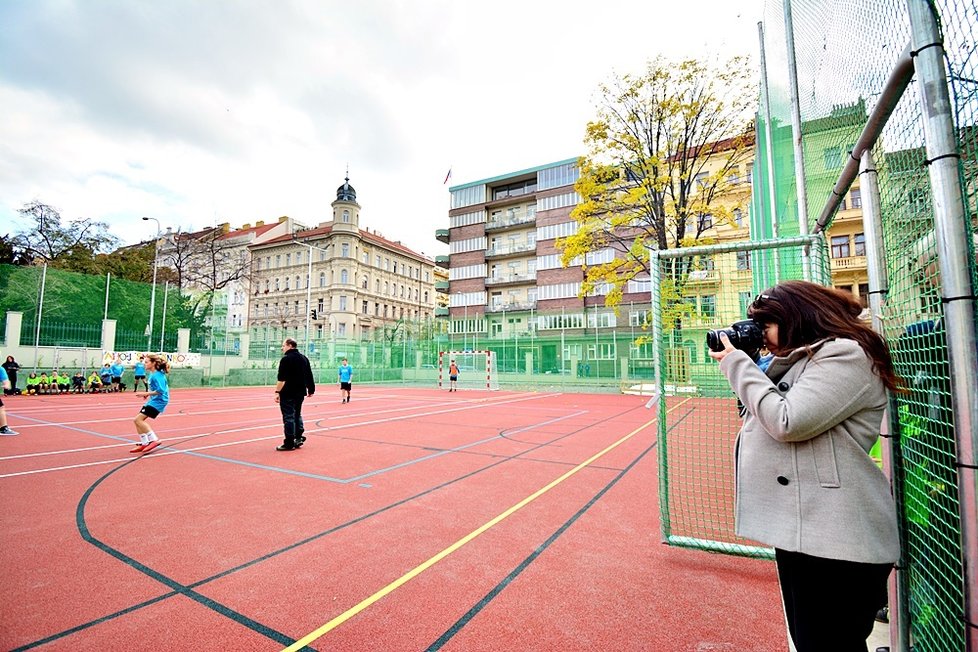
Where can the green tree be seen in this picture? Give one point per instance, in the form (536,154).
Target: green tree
(664,147)
(72,243)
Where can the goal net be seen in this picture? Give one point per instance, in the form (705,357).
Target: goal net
(476,369)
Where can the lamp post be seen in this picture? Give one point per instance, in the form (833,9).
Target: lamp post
(152,298)
(310,247)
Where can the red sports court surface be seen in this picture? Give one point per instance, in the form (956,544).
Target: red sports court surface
(412,519)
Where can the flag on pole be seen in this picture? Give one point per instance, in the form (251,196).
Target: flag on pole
(447,176)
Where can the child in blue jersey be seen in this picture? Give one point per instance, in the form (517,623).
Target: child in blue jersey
(139,371)
(117,370)
(159,396)
(346,381)
(5,384)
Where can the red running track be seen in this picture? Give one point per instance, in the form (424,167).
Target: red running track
(411,520)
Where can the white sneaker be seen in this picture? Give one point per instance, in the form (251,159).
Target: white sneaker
(7,431)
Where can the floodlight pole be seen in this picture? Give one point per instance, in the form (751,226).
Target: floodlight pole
(152,297)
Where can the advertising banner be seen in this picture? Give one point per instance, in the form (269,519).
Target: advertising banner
(129,358)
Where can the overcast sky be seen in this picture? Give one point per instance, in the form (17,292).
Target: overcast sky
(197,113)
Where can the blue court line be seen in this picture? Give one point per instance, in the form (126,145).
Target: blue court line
(316,476)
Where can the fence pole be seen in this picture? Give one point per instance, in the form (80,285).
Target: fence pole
(769,157)
(108,278)
(953,238)
(40,309)
(876,267)
(800,187)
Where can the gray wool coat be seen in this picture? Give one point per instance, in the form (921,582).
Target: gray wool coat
(805,480)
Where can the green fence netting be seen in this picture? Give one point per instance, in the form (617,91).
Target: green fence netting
(845,51)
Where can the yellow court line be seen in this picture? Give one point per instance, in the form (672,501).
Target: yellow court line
(354,610)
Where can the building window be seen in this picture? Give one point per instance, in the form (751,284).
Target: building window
(856,197)
(341,329)
(377,262)
(344,276)
(322,279)
(395,267)
(738,216)
(833,158)
(346,216)
(277,286)
(840,246)
(364,308)
(345,250)
(321,305)
(298,258)
(743,260)
(708,306)
(342,303)
(278,260)
(288,260)
(859,244)
(366,282)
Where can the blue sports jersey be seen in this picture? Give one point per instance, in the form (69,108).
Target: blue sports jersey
(139,369)
(117,369)
(157,383)
(346,374)
(3,375)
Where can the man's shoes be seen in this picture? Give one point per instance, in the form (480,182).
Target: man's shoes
(151,445)
(283,447)
(138,448)
(299,441)
(6,431)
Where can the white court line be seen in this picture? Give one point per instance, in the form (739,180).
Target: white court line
(223,411)
(480,404)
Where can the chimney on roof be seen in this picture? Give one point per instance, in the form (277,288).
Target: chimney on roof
(283,218)
(260,223)
(225,227)
(245,226)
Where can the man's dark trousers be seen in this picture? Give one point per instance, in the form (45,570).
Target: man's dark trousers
(291,407)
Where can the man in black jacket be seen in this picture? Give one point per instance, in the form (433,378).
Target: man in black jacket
(295,381)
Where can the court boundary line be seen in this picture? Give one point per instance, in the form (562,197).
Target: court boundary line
(431,561)
(311,538)
(167,450)
(450,633)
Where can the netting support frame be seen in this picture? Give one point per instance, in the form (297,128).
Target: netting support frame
(659,398)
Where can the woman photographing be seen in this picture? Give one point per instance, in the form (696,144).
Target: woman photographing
(806,484)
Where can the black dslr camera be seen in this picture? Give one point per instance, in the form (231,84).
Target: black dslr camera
(745,335)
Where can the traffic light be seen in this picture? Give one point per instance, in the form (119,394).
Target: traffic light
(312,314)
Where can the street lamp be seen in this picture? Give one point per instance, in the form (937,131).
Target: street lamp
(152,299)
(295,240)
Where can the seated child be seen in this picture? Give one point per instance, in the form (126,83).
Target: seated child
(64,382)
(33,383)
(106,375)
(78,383)
(43,383)
(94,383)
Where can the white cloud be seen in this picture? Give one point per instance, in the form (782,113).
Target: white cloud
(198,113)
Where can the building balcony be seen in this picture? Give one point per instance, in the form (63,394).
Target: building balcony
(512,306)
(441,312)
(510,279)
(441,286)
(703,277)
(503,224)
(441,235)
(501,250)
(442,261)
(848,262)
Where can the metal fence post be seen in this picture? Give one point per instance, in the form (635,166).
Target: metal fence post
(954,255)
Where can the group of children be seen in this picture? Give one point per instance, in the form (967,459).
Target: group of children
(106,379)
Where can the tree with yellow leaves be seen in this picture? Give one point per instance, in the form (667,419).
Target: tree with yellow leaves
(664,148)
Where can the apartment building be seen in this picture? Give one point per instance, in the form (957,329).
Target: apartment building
(348,282)
(506,279)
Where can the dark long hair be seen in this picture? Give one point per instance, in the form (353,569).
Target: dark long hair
(806,312)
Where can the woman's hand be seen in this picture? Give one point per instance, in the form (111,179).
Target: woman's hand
(727,348)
